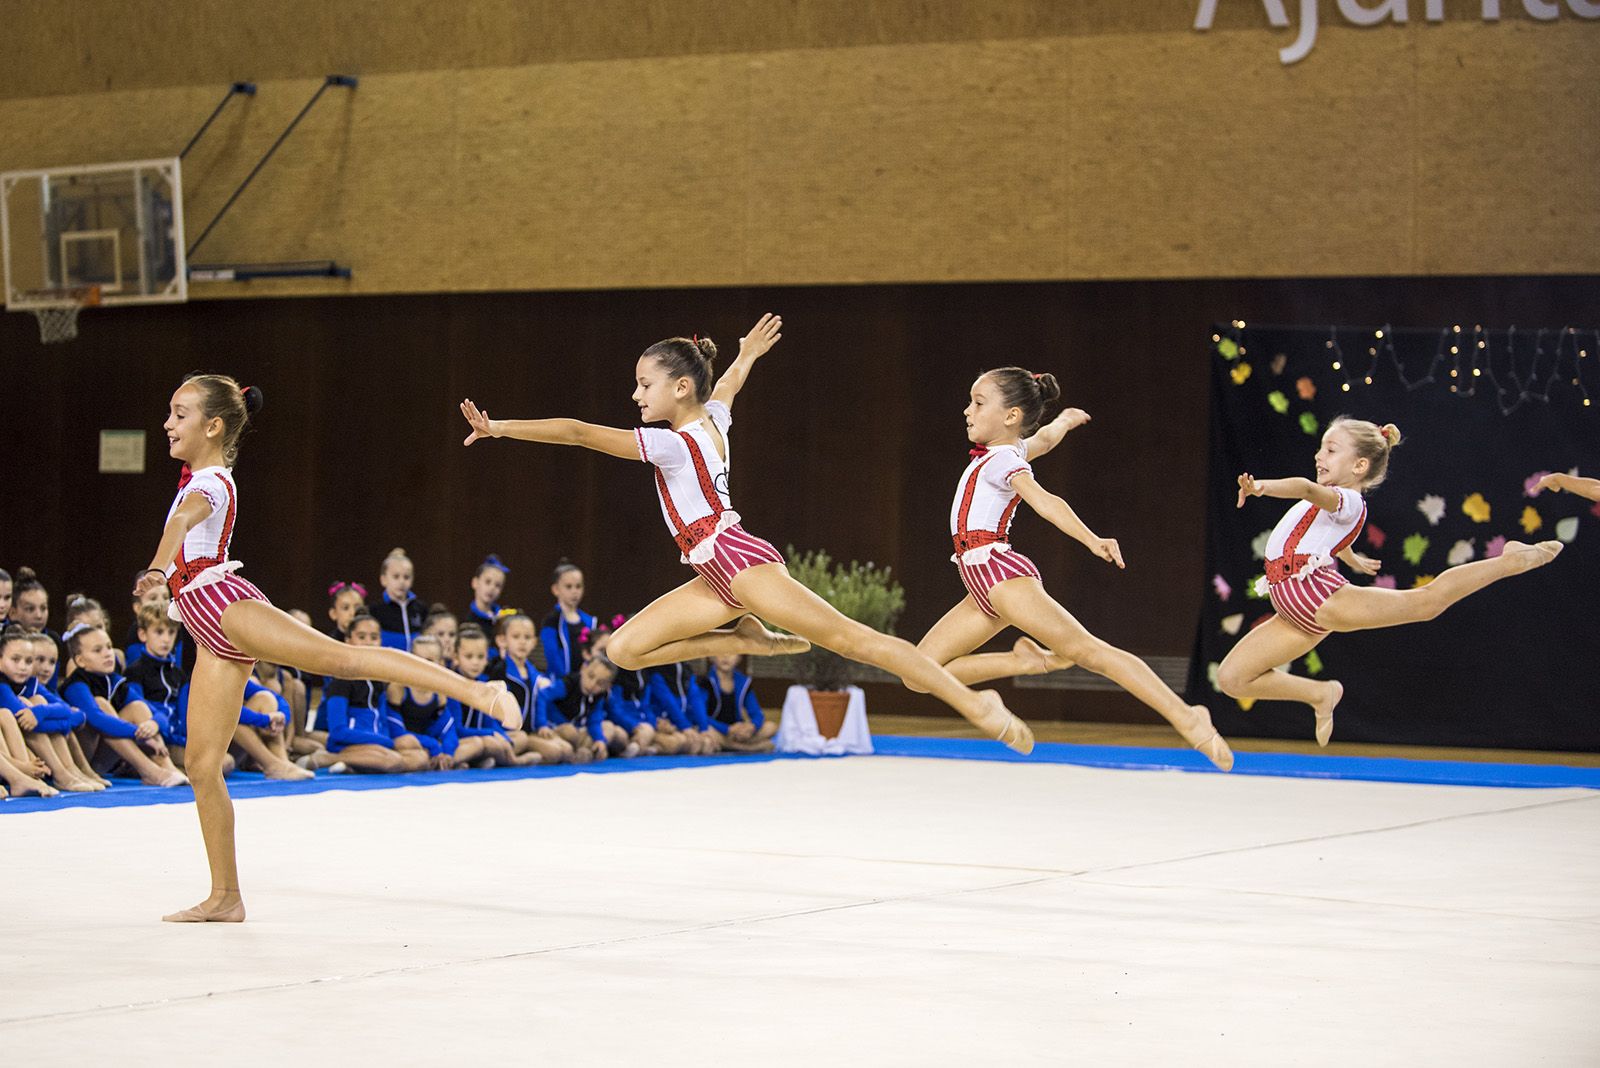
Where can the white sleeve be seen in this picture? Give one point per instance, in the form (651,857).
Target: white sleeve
(1006,466)
(208,486)
(720,416)
(663,448)
(1350,505)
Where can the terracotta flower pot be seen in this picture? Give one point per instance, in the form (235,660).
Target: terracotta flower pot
(829,708)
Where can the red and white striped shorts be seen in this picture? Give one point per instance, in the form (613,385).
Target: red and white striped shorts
(979,579)
(1297,599)
(201,609)
(736,549)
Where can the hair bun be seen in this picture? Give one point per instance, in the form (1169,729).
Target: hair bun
(253,399)
(26,574)
(1391,434)
(707,347)
(1049,388)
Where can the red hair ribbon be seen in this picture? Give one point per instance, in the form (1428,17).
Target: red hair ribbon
(695,339)
(1038,376)
(339,587)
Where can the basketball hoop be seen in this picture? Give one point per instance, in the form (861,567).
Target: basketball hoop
(58,320)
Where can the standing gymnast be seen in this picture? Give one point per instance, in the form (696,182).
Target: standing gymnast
(1309,595)
(736,574)
(235,624)
(1004,587)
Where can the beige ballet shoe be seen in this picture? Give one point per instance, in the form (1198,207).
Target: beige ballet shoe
(1324,713)
(503,707)
(1039,660)
(1016,735)
(1528,557)
(1207,740)
(287,772)
(765,642)
(200,914)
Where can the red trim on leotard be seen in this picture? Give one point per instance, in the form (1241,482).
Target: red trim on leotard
(966,539)
(688,535)
(186,569)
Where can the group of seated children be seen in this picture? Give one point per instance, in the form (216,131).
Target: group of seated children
(577,706)
(75,710)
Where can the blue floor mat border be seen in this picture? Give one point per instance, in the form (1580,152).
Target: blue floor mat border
(1287,765)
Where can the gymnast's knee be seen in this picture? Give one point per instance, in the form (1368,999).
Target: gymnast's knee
(622,652)
(1233,680)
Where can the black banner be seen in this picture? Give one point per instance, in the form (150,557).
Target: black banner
(1516,665)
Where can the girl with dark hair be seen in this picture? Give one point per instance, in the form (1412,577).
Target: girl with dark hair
(1310,598)
(345,599)
(734,712)
(561,633)
(488,583)
(30,609)
(115,709)
(235,625)
(1004,587)
(43,724)
(738,576)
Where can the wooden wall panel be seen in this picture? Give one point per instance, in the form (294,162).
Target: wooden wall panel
(1459,148)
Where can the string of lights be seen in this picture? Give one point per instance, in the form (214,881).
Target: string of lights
(1523,376)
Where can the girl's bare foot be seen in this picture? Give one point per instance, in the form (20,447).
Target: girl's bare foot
(1324,711)
(1203,736)
(218,908)
(170,778)
(31,787)
(1525,557)
(78,786)
(764,642)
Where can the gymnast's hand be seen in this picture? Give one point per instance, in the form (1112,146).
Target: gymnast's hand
(1248,487)
(762,336)
(1364,564)
(479,421)
(1071,418)
(148,581)
(1108,550)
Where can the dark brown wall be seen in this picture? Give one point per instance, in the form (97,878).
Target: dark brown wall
(848,438)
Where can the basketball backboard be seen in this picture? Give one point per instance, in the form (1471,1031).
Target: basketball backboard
(114,228)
